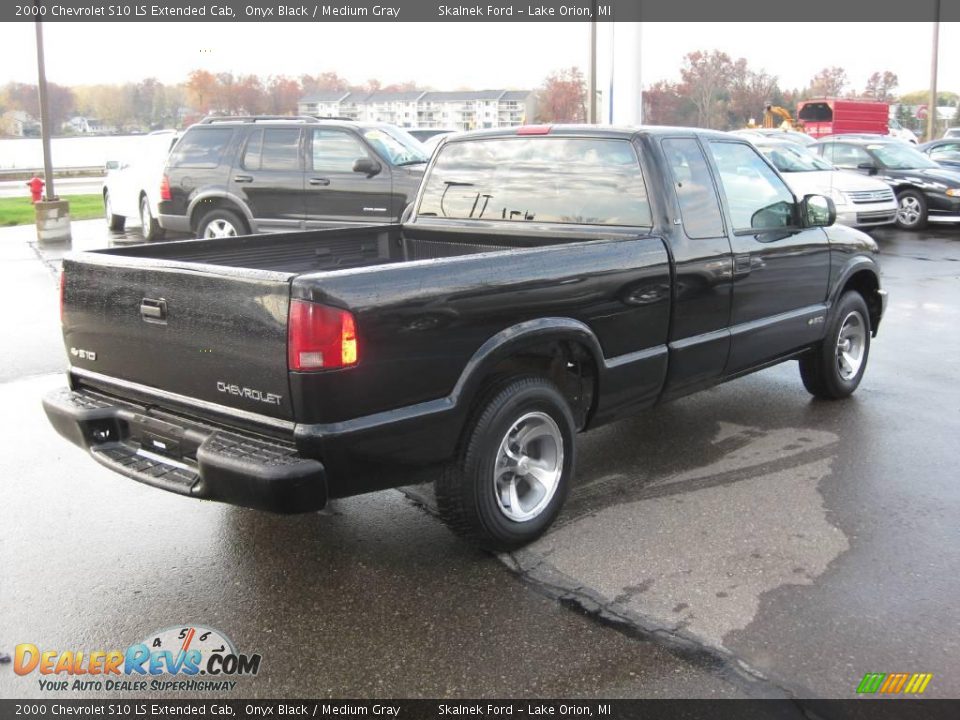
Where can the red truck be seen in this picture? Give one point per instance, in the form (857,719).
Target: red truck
(833,116)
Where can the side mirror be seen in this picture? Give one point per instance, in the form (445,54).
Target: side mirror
(113,165)
(870,168)
(367,166)
(818,211)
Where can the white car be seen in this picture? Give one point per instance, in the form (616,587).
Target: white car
(898,131)
(132,186)
(861,201)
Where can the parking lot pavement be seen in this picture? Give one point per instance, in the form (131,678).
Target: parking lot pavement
(744,540)
(371,598)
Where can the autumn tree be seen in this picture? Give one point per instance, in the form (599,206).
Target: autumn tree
(24,97)
(880,86)
(283,93)
(251,97)
(750,92)
(706,76)
(201,90)
(829,82)
(666,103)
(563,97)
(324,82)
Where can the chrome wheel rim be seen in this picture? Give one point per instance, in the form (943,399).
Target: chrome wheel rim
(909,211)
(851,345)
(529,466)
(145,216)
(219,229)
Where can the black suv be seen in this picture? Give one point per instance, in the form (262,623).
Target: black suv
(237,175)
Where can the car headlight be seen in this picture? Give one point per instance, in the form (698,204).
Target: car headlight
(953,192)
(838,197)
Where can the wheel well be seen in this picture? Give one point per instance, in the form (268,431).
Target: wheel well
(866,283)
(215,203)
(568,364)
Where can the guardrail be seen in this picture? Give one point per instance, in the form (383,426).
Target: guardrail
(27,173)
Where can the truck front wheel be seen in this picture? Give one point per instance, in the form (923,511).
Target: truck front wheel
(835,368)
(514,468)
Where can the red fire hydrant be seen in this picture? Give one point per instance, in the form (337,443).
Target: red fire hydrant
(36,189)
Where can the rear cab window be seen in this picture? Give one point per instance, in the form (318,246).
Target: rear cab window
(564,180)
(201,147)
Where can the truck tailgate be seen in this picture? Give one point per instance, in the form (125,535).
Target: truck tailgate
(214,334)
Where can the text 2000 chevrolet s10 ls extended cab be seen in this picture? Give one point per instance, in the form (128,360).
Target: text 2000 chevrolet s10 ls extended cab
(546,281)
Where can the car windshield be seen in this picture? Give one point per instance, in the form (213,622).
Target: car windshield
(793,159)
(397,146)
(898,156)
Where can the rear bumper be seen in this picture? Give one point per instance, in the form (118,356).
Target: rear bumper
(176,223)
(188,458)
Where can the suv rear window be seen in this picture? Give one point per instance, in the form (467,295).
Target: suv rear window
(201,147)
(582,181)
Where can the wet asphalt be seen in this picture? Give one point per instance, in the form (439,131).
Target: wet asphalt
(744,541)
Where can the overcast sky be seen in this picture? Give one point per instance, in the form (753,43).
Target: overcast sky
(454,55)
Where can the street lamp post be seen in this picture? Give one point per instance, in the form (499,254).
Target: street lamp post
(932,111)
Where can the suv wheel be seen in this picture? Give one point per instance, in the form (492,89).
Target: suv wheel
(114,222)
(514,470)
(221,223)
(149,227)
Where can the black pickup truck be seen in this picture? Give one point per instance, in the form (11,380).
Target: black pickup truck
(547,280)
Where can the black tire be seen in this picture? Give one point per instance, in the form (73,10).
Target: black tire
(469,498)
(114,222)
(149,227)
(823,373)
(213,222)
(911,204)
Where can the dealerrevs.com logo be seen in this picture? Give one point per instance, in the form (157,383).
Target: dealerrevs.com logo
(191,658)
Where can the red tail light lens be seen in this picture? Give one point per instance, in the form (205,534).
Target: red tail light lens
(165,193)
(320,337)
(533,130)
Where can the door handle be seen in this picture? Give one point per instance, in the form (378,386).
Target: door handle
(243,178)
(319,181)
(742,264)
(153,310)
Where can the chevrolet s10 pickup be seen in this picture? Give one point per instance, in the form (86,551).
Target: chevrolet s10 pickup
(546,280)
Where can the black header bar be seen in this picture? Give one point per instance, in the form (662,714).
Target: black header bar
(713,11)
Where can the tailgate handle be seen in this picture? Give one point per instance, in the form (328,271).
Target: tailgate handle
(319,181)
(243,178)
(153,310)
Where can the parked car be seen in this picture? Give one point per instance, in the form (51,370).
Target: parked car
(861,201)
(233,176)
(423,134)
(925,191)
(131,188)
(548,281)
(945,153)
(898,131)
(793,136)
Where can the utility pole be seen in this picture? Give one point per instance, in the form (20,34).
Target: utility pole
(932,105)
(52,214)
(592,74)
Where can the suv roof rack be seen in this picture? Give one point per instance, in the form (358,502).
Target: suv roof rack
(210,119)
(333,117)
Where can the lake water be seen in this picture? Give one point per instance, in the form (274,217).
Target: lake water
(67,152)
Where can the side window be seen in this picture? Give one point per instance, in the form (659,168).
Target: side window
(335,151)
(281,149)
(251,153)
(201,147)
(699,207)
(948,152)
(757,197)
(850,156)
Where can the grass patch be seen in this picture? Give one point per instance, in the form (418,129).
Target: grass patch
(20,211)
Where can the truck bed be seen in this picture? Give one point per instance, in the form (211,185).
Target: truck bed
(327,250)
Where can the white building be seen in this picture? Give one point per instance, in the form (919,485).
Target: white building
(456,110)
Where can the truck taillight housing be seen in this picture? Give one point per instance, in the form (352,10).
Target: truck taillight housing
(320,337)
(165,193)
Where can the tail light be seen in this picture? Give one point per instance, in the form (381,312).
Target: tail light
(320,337)
(534,130)
(165,193)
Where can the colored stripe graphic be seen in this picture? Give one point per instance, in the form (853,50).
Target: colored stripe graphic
(894,683)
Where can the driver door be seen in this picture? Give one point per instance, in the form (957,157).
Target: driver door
(781,270)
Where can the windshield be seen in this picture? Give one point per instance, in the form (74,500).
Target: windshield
(898,156)
(397,146)
(793,159)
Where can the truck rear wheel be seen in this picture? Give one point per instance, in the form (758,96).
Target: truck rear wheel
(514,469)
(836,367)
